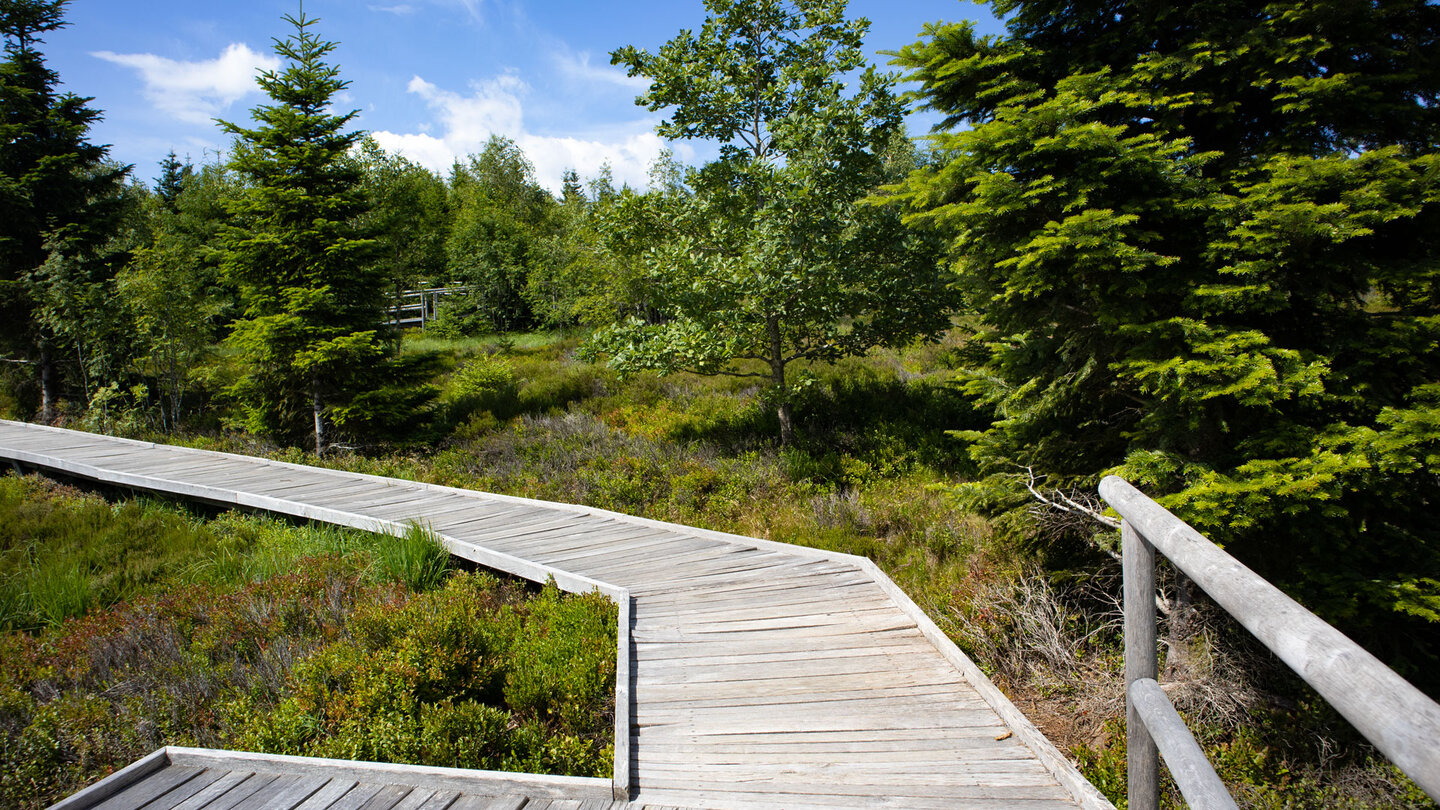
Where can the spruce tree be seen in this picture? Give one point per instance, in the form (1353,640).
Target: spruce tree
(61,205)
(1203,242)
(172,179)
(309,341)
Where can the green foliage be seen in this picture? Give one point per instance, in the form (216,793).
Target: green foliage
(416,559)
(1200,247)
(218,633)
(407,215)
(766,255)
(62,230)
(484,383)
(312,291)
(173,286)
(504,239)
(460,677)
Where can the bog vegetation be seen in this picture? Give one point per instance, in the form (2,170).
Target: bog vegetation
(132,625)
(1194,244)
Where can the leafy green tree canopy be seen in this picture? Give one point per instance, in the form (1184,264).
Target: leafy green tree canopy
(771,258)
(504,226)
(1202,243)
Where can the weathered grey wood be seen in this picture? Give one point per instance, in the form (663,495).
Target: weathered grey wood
(387,797)
(1395,716)
(1142,757)
(115,783)
(356,797)
(489,803)
(430,778)
(241,792)
(328,794)
(428,800)
(624,700)
(183,792)
(1192,771)
(228,781)
(286,791)
(152,787)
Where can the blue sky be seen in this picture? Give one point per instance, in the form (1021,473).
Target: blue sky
(432,79)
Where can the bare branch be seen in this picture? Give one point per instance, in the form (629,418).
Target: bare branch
(1065,503)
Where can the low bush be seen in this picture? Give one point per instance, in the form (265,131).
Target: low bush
(242,632)
(466,676)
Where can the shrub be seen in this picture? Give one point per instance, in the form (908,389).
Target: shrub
(482,383)
(463,676)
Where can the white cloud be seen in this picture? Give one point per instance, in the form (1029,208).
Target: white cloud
(495,107)
(196,92)
(402,10)
(577,66)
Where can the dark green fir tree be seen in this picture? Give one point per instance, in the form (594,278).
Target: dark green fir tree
(61,205)
(1203,243)
(311,345)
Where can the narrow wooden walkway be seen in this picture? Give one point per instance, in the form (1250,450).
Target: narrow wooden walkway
(757,675)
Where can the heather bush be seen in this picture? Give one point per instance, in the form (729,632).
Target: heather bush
(239,632)
(464,676)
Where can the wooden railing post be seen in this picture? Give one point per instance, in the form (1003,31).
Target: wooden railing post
(1142,756)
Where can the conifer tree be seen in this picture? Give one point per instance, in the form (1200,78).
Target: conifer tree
(60,207)
(1203,241)
(310,340)
(172,179)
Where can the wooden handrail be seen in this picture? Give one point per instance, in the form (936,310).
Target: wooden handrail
(1400,720)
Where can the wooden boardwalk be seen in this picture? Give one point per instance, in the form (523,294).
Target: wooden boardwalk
(753,674)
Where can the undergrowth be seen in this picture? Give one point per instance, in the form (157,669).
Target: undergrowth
(248,633)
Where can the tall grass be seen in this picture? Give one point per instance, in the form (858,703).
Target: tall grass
(63,552)
(416,559)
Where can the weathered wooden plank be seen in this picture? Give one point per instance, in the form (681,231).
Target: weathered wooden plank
(356,797)
(689,655)
(241,792)
(228,781)
(780,784)
(152,787)
(184,791)
(284,792)
(117,782)
(622,772)
(474,802)
(439,800)
(328,794)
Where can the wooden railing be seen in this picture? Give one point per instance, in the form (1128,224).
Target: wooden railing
(421,306)
(1393,715)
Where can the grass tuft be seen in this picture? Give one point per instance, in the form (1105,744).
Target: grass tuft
(417,559)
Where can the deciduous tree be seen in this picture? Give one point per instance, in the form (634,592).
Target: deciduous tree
(771,258)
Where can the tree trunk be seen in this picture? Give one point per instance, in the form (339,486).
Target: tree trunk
(777,375)
(318,406)
(47,384)
(787,424)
